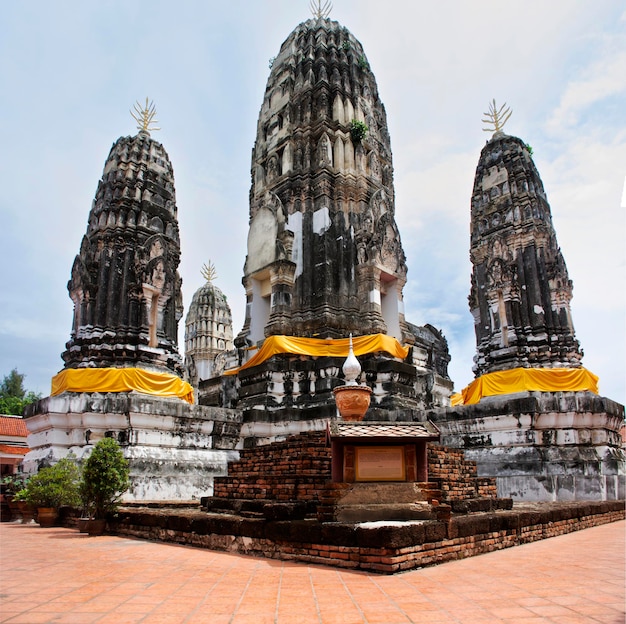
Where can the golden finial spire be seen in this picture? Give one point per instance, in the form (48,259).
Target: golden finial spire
(496,117)
(145,116)
(208,272)
(321,10)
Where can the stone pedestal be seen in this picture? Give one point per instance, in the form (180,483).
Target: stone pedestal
(373,502)
(542,446)
(174,449)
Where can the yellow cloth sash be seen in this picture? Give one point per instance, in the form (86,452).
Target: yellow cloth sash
(317,347)
(121,380)
(530,379)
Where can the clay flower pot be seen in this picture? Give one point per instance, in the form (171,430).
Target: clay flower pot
(47,516)
(27,512)
(352,401)
(14,508)
(96,527)
(82,524)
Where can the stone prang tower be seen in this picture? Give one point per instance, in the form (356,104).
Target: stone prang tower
(324,252)
(122,368)
(208,331)
(125,285)
(324,255)
(520,295)
(532,418)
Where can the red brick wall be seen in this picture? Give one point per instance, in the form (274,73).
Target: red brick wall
(293,470)
(457,475)
(298,469)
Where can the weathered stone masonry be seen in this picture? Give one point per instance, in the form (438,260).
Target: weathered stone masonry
(386,550)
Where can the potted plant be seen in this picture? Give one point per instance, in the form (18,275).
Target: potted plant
(51,488)
(11,485)
(105,479)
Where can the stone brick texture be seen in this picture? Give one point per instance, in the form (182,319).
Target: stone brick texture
(294,470)
(299,470)
(383,549)
(456,475)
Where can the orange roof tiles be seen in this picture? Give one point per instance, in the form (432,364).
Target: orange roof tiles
(13,450)
(13,426)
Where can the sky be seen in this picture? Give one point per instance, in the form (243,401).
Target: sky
(70,71)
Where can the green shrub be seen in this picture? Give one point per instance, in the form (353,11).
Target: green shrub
(105,478)
(12,484)
(54,486)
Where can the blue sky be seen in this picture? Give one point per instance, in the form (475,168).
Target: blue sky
(71,70)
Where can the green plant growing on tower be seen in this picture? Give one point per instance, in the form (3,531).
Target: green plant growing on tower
(105,478)
(529,149)
(358,130)
(362,62)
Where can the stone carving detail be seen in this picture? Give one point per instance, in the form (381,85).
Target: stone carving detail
(124,282)
(521,292)
(325,258)
(336,195)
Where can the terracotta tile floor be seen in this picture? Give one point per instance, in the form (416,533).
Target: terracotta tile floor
(62,576)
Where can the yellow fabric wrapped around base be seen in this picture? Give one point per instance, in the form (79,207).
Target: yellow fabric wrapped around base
(527,379)
(121,380)
(316,347)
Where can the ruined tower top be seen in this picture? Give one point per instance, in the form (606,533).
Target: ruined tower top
(125,284)
(324,252)
(521,292)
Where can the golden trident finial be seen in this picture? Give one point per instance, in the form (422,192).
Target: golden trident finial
(208,272)
(496,117)
(145,116)
(320,10)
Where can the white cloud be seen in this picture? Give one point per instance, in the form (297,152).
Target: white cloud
(601,80)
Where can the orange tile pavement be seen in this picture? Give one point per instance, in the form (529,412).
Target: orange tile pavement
(61,576)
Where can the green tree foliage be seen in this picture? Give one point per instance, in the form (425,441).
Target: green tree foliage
(105,478)
(13,385)
(55,485)
(13,396)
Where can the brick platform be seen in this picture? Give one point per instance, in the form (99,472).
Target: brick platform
(377,547)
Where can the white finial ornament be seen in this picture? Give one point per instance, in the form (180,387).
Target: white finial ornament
(208,271)
(320,10)
(351,367)
(144,116)
(496,118)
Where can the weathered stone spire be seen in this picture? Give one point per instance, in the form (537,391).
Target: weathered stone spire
(324,252)
(208,330)
(125,284)
(521,293)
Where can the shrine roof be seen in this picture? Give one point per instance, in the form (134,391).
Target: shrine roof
(13,426)
(351,429)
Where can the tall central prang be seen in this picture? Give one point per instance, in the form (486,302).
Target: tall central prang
(324,257)
(324,252)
